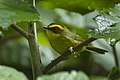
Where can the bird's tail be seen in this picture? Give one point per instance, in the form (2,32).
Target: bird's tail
(95,49)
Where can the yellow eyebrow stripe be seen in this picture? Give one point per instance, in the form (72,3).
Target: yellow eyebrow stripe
(56,25)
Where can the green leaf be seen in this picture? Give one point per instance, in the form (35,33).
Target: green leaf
(81,6)
(65,76)
(109,33)
(8,73)
(47,16)
(12,11)
(71,18)
(106,60)
(108,25)
(15,52)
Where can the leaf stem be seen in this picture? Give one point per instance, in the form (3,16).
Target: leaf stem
(67,53)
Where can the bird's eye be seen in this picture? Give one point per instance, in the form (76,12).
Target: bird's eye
(56,28)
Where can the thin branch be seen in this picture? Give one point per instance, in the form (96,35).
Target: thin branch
(20,30)
(67,53)
(115,73)
(35,55)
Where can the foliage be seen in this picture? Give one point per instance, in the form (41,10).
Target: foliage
(108,24)
(8,73)
(13,11)
(88,18)
(65,76)
(76,6)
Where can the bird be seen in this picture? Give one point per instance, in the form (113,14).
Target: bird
(62,39)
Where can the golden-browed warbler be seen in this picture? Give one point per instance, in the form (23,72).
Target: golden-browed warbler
(62,39)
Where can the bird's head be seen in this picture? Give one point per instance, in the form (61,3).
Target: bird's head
(56,28)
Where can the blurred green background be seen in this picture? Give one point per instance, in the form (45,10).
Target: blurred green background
(78,16)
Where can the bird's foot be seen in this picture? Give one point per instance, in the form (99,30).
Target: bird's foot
(72,50)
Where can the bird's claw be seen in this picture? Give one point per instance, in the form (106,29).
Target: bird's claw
(71,49)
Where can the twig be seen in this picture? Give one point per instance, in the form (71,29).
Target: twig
(115,56)
(115,72)
(34,48)
(20,30)
(35,55)
(67,53)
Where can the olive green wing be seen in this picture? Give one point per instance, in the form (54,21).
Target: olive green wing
(73,37)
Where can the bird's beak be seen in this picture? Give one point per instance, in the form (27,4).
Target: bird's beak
(45,27)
